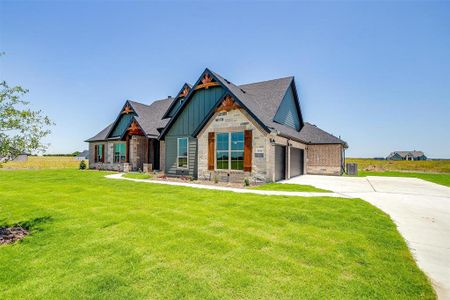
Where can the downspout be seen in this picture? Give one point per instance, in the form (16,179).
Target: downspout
(343,161)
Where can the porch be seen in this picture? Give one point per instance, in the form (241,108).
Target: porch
(133,153)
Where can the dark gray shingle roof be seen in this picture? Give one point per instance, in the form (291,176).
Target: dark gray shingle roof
(150,116)
(314,135)
(263,100)
(101,136)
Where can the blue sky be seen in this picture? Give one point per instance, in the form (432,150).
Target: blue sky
(376,73)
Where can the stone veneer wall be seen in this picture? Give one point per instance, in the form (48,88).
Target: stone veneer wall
(137,155)
(138,152)
(235,120)
(324,159)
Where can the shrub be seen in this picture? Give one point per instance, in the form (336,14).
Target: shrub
(82,165)
(246,182)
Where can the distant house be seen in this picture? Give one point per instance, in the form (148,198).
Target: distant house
(407,155)
(23,156)
(83,155)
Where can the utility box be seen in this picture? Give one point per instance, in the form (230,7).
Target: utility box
(352,169)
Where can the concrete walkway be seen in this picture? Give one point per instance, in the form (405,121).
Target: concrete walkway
(420,209)
(230,189)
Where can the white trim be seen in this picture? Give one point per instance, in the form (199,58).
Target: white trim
(187,153)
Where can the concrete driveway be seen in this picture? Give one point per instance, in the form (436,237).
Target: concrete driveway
(420,209)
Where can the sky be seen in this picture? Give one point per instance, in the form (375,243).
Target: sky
(375,73)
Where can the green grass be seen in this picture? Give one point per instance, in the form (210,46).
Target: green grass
(289,188)
(99,238)
(135,175)
(443,179)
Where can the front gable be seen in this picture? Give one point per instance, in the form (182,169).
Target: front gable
(198,107)
(179,99)
(288,112)
(201,98)
(125,122)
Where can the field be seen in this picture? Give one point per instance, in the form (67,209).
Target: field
(98,238)
(427,166)
(43,162)
(437,171)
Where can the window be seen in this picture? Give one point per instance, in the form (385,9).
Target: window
(182,153)
(99,153)
(120,153)
(230,151)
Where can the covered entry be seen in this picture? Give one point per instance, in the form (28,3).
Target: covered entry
(296,162)
(280,162)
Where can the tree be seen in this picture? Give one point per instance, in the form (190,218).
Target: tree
(21,129)
(76,153)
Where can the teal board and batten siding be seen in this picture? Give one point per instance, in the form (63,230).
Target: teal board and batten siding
(193,114)
(287,113)
(122,125)
(175,108)
(171,157)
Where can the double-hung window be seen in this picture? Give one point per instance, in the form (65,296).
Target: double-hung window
(120,152)
(182,153)
(230,151)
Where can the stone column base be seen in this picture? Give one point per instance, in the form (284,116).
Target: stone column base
(126,167)
(147,168)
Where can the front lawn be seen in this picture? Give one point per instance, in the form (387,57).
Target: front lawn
(289,188)
(135,175)
(99,238)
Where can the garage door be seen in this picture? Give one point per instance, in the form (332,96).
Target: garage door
(296,163)
(280,162)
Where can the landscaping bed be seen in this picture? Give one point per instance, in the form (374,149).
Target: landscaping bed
(9,235)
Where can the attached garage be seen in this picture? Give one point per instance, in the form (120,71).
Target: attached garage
(296,162)
(280,162)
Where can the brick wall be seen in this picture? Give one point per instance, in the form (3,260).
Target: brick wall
(324,159)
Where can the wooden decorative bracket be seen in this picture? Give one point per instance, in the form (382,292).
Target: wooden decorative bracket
(184,92)
(228,104)
(134,129)
(206,82)
(206,78)
(127,109)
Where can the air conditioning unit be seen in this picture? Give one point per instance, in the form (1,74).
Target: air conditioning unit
(352,169)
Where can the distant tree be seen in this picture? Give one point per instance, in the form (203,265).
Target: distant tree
(76,153)
(21,129)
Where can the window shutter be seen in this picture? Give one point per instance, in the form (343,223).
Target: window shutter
(103,153)
(211,140)
(95,153)
(247,150)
